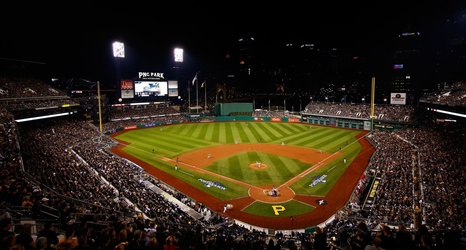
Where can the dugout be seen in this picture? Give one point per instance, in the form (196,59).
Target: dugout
(234,109)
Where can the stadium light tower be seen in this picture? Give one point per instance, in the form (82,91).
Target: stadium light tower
(118,52)
(178,53)
(178,57)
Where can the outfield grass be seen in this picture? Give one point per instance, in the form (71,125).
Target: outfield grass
(174,140)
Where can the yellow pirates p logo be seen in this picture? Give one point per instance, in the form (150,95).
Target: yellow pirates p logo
(278,208)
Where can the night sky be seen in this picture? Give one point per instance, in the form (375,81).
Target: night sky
(74,40)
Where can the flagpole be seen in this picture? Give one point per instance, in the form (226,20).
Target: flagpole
(284,105)
(205,95)
(189,98)
(100,107)
(197,95)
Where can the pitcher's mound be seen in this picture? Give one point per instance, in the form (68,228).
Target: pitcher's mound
(258,165)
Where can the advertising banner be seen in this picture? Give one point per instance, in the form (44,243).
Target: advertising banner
(127,94)
(126,84)
(398,98)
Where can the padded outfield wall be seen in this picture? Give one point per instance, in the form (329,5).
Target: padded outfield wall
(234,109)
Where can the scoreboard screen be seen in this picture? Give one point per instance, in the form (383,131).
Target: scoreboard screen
(150,88)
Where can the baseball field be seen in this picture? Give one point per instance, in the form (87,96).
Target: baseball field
(270,174)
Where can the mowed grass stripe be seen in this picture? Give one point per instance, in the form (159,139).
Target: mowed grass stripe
(187,142)
(294,139)
(215,133)
(235,131)
(272,131)
(198,131)
(202,136)
(308,137)
(184,139)
(335,141)
(290,168)
(237,167)
(183,129)
(314,135)
(142,140)
(165,149)
(232,167)
(246,159)
(190,131)
(314,139)
(281,130)
(166,143)
(261,176)
(258,126)
(203,133)
(292,128)
(239,134)
(195,130)
(248,132)
(291,165)
(178,143)
(255,134)
(289,129)
(352,150)
(175,129)
(230,129)
(221,132)
(276,169)
(209,132)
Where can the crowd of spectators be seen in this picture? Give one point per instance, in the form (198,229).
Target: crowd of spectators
(398,113)
(122,117)
(275,113)
(26,87)
(21,93)
(65,165)
(452,95)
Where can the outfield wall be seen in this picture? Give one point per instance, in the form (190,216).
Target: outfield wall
(234,108)
(361,124)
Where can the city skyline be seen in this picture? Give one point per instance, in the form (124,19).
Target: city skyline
(76,41)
